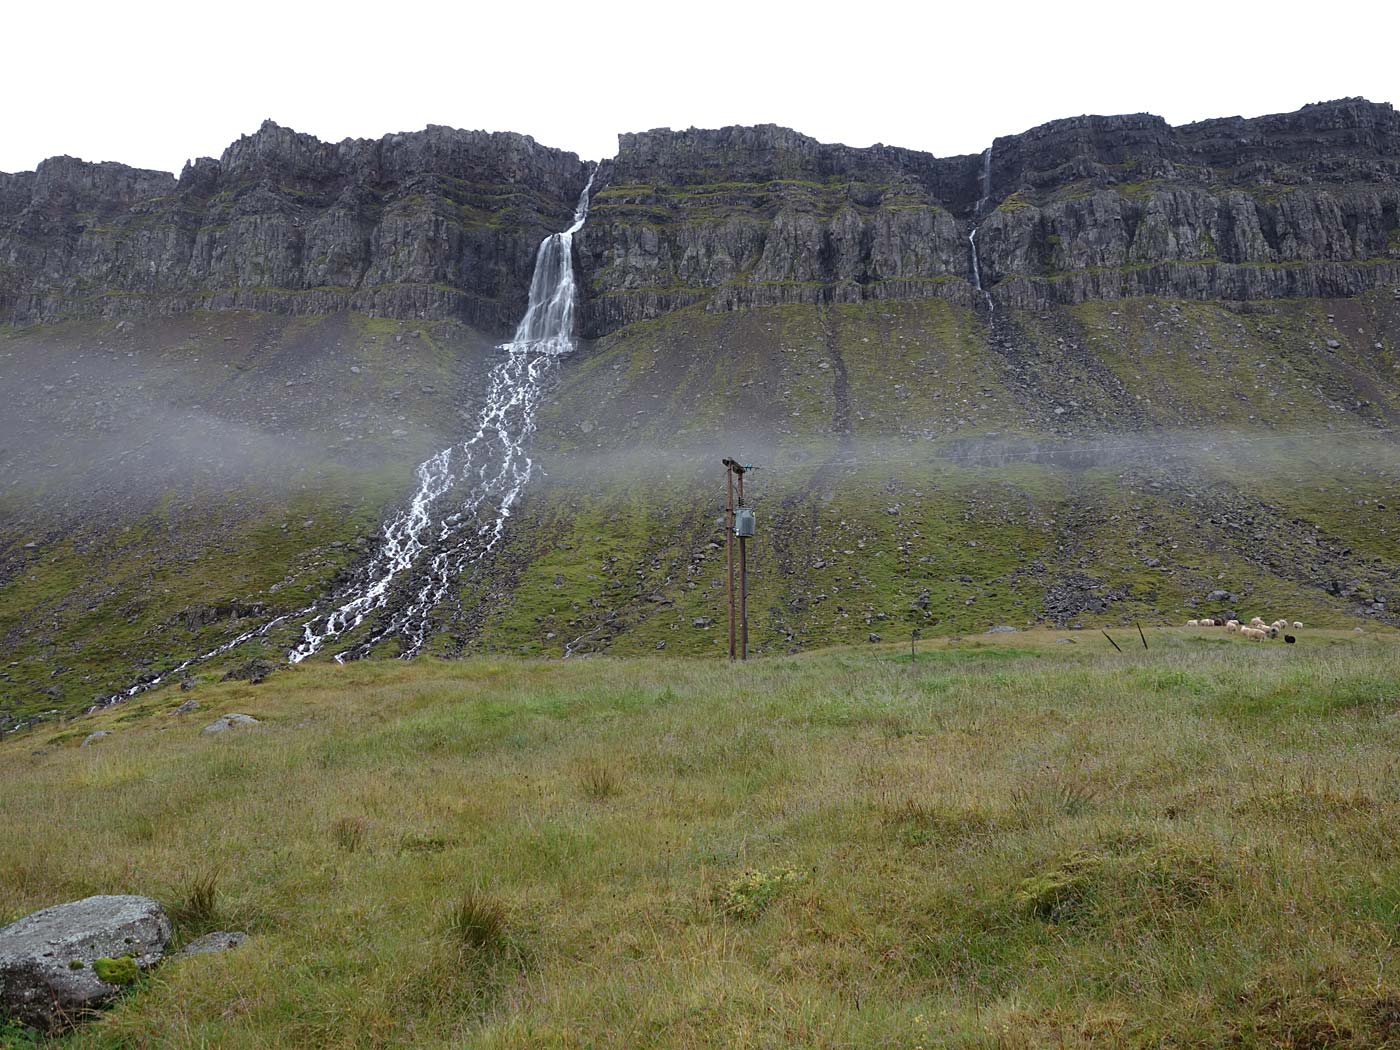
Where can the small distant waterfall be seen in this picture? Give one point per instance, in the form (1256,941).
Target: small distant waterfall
(466,492)
(977,209)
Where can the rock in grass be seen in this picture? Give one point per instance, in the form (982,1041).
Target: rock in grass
(226,722)
(92,738)
(219,941)
(52,963)
(1001,628)
(251,671)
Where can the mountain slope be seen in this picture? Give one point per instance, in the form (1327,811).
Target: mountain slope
(1065,449)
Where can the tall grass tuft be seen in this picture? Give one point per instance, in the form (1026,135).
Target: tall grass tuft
(349,833)
(477,925)
(1049,797)
(600,782)
(197,911)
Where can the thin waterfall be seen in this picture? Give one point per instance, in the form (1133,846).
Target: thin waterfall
(977,209)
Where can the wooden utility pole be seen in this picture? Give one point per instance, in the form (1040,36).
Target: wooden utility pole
(729,543)
(738,648)
(743,577)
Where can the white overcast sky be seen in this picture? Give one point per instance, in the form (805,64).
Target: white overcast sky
(154,83)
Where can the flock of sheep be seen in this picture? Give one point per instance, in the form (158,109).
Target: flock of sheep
(1256,629)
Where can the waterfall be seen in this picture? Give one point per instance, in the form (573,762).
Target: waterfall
(977,209)
(465,492)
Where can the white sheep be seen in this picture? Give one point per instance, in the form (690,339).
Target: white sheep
(1257,622)
(1256,633)
(1232,625)
(1297,625)
(1279,625)
(1193,623)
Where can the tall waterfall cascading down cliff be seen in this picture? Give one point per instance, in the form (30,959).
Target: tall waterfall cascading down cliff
(986,192)
(491,465)
(465,492)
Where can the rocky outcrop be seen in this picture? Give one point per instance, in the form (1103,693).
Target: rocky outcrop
(1298,204)
(435,224)
(445,224)
(60,964)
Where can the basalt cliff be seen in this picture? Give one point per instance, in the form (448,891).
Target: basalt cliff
(443,224)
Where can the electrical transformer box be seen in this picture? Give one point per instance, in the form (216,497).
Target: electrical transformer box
(743,522)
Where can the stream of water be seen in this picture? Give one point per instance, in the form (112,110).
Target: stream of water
(466,492)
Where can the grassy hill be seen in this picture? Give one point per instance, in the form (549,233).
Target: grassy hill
(171,484)
(1013,841)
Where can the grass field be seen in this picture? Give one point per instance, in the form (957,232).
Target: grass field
(1011,841)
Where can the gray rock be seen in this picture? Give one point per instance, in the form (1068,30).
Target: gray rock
(93,737)
(227,722)
(222,220)
(874,637)
(1001,628)
(251,671)
(219,941)
(363,234)
(187,707)
(701,621)
(47,979)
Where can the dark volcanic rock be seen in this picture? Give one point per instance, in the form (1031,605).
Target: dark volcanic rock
(436,224)
(445,224)
(251,671)
(1302,204)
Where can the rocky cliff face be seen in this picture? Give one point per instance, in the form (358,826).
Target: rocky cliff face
(1298,204)
(444,224)
(438,223)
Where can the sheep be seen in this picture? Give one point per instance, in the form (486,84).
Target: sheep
(1297,625)
(1257,622)
(1279,625)
(1232,625)
(1193,623)
(1253,633)
(1272,632)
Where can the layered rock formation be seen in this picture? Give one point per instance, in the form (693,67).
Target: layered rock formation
(1299,204)
(438,223)
(444,224)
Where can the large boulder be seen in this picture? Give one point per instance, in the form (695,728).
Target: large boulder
(48,976)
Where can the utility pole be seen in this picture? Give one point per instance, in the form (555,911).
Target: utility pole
(738,523)
(729,543)
(743,581)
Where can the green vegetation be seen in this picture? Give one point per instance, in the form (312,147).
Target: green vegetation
(1011,841)
(122,970)
(883,503)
